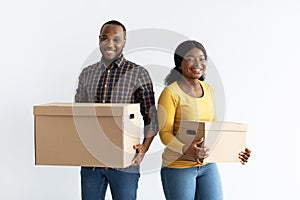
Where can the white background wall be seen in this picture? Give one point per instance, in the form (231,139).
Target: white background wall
(254,46)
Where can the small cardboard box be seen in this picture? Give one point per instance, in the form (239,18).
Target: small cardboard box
(225,140)
(86,134)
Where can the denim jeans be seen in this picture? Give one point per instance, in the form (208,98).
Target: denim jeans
(123,183)
(195,183)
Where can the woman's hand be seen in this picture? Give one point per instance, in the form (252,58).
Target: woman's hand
(195,149)
(244,155)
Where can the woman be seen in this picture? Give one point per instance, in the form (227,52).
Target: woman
(188,97)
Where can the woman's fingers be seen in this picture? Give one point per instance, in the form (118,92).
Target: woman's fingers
(198,142)
(244,155)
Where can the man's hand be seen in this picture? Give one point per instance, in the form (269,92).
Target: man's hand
(140,153)
(141,149)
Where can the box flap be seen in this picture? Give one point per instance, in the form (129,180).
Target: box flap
(81,109)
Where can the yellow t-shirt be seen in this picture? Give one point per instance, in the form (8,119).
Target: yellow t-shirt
(175,105)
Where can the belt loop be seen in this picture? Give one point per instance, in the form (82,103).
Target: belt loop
(93,168)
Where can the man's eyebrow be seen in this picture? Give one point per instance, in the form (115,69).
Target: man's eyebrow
(113,36)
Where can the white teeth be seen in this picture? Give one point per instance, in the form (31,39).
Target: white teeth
(197,69)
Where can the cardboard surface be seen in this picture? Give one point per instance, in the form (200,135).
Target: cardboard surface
(225,140)
(86,134)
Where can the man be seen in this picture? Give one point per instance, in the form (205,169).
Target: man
(116,80)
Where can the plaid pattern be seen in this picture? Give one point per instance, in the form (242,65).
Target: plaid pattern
(124,82)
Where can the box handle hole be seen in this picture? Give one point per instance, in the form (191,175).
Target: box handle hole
(191,132)
(131,116)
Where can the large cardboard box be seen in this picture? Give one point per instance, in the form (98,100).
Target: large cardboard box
(225,140)
(86,134)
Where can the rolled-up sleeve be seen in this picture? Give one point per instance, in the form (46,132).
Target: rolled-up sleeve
(147,101)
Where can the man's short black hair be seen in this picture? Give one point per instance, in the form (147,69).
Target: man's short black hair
(114,22)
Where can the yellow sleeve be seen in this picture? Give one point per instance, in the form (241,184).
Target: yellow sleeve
(211,91)
(167,105)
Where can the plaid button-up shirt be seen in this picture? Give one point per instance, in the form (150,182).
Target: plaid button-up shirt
(124,82)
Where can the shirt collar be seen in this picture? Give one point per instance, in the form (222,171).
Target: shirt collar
(118,62)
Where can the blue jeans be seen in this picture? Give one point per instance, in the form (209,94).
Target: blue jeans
(123,183)
(195,183)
